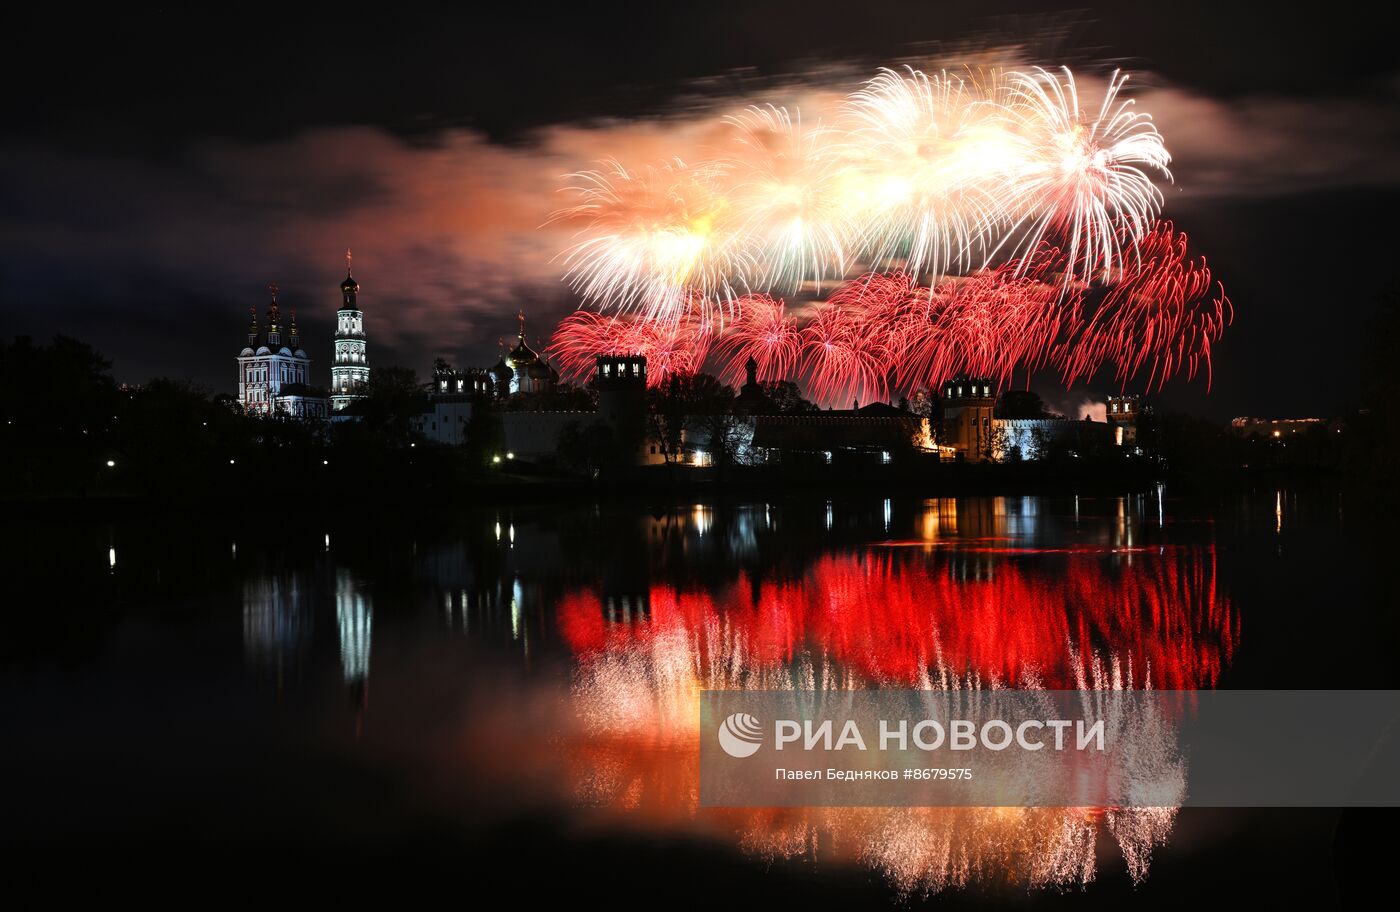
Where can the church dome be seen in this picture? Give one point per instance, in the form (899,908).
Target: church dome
(501,372)
(350,286)
(540,370)
(522,353)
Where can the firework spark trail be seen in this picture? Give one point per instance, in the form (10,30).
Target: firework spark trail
(927,171)
(675,346)
(582,336)
(650,239)
(840,358)
(764,331)
(781,179)
(1163,317)
(1084,183)
(920,148)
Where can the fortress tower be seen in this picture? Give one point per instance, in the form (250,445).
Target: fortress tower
(968,407)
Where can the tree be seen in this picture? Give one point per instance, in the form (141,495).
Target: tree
(59,411)
(1021,404)
(585,449)
(393,398)
(786,398)
(698,400)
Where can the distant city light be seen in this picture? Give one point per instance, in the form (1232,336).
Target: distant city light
(495,459)
(111,463)
(230,462)
(510,455)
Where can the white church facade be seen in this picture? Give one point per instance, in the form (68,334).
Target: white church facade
(274,371)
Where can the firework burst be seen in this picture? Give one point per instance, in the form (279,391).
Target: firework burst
(1162,318)
(983,209)
(781,180)
(649,240)
(764,331)
(1081,181)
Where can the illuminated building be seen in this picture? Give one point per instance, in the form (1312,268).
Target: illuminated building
(968,406)
(273,368)
(529,373)
(1123,411)
(450,404)
(457,393)
(350,370)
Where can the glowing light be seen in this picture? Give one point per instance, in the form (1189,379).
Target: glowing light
(894,617)
(983,208)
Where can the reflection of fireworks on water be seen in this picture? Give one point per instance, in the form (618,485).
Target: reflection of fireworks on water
(640,708)
(856,622)
(884,621)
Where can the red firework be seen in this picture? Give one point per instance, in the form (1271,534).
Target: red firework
(764,331)
(841,358)
(1162,317)
(582,336)
(988,324)
(671,347)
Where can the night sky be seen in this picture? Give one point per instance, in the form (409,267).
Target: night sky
(158,169)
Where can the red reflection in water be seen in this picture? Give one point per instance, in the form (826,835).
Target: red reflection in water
(1104,618)
(980,615)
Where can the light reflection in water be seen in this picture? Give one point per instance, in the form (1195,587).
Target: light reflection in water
(276,623)
(354,619)
(975,616)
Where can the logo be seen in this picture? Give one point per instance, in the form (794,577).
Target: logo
(740,735)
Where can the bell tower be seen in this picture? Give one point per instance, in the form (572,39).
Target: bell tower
(350,369)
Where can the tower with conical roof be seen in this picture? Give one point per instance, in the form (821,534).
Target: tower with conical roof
(350,369)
